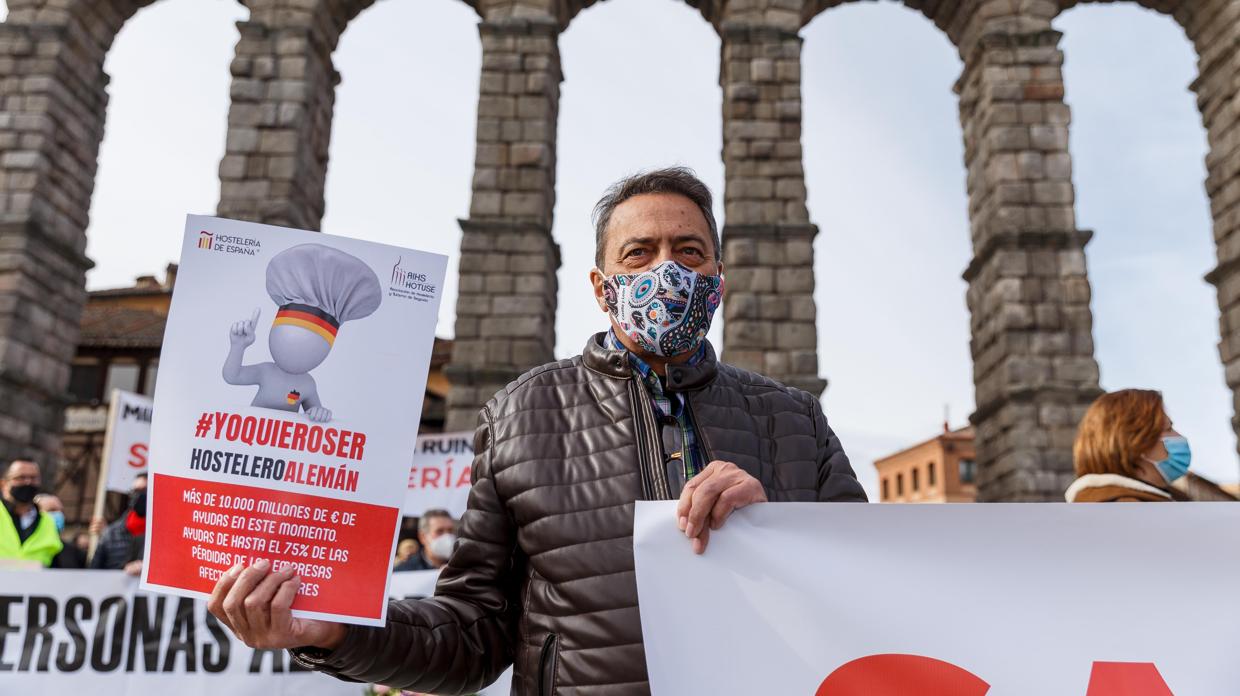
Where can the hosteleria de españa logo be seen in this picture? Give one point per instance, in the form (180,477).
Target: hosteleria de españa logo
(204,240)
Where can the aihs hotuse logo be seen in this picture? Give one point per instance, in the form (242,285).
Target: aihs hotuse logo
(410,284)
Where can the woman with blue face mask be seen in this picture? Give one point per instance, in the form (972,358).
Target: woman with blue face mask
(1126,450)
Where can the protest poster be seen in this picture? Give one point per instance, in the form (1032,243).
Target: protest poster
(92,632)
(944,600)
(440,476)
(291,382)
(127,440)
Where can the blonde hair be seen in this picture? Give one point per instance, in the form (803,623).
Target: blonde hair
(1117,430)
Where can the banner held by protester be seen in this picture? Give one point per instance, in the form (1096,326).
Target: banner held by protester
(291,449)
(966,600)
(71,631)
(128,439)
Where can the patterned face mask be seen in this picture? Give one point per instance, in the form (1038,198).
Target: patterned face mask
(665,310)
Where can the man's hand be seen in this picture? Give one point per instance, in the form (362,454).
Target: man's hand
(243,333)
(257,606)
(133,568)
(711,496)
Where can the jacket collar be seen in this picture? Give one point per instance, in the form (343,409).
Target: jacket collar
(617,363)
(1105,480)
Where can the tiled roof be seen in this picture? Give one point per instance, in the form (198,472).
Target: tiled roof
(121,327)
(132,292)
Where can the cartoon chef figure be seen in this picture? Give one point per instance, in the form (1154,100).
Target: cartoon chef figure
(317,289)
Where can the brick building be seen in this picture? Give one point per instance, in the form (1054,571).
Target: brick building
(942,469)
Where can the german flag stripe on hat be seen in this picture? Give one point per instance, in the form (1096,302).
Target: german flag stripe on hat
(309,318)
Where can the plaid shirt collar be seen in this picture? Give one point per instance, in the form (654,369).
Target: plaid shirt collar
(670,408)
(648,375)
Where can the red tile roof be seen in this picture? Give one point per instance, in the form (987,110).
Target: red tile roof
(121,327)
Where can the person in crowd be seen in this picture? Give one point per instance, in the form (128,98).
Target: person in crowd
(70,556)
(542,575)
(1126,450)
(122,544)
(405,549)
(26,533)
(437,535)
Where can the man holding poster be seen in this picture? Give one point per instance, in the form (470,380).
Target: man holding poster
(542,576)
(286,444)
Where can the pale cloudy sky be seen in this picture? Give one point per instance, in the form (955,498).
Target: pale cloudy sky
(883,158)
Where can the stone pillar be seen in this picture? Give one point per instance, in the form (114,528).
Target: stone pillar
(769,311)
(274,168)
(505,321)
(1215,29)
(51,124)
(1028,295)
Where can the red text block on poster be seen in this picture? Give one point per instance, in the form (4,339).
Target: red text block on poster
(339,548)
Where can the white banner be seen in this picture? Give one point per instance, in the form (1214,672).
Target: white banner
(944,600)
(128,439)
(440,474)
(91,632)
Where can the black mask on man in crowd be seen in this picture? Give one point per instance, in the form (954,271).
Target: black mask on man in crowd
(24,493)
(137,503)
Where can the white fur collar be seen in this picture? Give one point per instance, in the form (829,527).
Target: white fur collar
(1102,480)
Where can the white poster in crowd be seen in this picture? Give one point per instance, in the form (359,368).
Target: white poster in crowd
(290,384)
(92,632)
(440,475)
(963,600)
(128,439)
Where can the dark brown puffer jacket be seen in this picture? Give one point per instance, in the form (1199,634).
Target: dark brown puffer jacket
(543,573)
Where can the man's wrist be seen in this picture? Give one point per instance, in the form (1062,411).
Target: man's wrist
(332,637)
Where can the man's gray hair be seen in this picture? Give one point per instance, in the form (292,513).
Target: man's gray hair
(424,522)
(679,180)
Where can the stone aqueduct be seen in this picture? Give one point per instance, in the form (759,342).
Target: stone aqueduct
(1028,293)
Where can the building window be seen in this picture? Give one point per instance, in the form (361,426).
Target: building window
(84,383)
(123,376)
(968,470)
(148,382)
(916,480)
(899,484)
(886,492)
(930,475)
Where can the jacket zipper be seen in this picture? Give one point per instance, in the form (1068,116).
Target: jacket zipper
(546,665)
(649,453)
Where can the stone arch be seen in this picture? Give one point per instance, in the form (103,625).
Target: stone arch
(1028,295)
(51,127)
(275,164)
(1213,27)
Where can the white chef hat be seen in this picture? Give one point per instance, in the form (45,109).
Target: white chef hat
(319,280)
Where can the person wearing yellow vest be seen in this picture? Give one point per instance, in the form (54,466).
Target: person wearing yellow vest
(26,534)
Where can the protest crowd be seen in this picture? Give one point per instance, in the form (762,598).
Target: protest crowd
(538,574)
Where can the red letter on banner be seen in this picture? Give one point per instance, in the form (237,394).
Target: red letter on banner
(1126,679)
(901,675)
